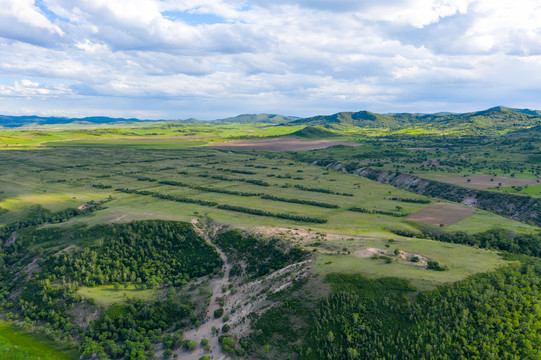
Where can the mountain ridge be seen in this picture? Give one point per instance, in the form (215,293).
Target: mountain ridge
(496,118)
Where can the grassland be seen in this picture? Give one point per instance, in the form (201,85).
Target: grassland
(173,172)
(461,261)
(15,345)
(144,169)
(59,179)
(107,295)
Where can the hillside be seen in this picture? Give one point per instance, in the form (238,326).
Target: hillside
(496,119)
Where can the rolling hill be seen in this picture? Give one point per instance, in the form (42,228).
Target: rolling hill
(495,119)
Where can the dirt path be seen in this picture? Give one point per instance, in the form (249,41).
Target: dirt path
(248,297)
(215,285)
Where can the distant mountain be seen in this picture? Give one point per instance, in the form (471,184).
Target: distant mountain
(17,121)
(258,118)
(494,119)
(488,121)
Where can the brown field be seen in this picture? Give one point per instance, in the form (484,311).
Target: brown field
(441,213)
(280,144)
(485,182)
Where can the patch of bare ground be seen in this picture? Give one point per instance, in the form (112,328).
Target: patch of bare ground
(280,144)
(239,298)
(12,238)
(487,181)
(67,250)
(32,268)
(441,213)
(407,256)
(83,206)
(83,314)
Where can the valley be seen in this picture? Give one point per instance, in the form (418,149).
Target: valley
(348,237)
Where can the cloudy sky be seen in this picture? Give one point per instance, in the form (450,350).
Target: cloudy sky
(215,58)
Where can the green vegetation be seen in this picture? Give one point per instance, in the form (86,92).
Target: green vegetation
(15,345)
(107,295)
(261,256)
(299,201)
(325,191)
(375,211)
(152,252)
(499,239)
(315,239)
(128,331)
(272,214)
(477,318)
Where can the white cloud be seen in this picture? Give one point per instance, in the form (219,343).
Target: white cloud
(22,20)
(28,88)
(197,57)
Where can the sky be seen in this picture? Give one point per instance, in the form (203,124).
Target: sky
(177,59)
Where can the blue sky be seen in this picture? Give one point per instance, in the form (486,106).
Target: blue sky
(175,59)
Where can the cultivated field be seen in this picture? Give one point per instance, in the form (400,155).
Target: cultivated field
(441,213)
(280,144)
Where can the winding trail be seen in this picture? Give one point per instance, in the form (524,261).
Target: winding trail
(215,285)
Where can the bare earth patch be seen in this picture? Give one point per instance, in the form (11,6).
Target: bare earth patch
(487,181)
(280,144)
(441,213)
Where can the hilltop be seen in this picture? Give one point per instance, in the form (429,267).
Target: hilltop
(495,119)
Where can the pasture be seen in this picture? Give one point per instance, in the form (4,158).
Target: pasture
(15,345)
(202,178)
(107,295)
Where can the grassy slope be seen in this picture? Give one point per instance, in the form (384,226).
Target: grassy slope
(15,345)
(107,295)
(373,229)
(462,261)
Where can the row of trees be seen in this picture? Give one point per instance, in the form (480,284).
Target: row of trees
(498,239)
(176,198)
(321,190)
(300,201)
(374,211)
(225,178)
(285,216)
(39,216)
(209,189)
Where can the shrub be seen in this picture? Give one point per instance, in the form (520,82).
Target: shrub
(434,265)
(218,312)
(189,345)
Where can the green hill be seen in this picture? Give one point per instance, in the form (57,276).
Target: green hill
(488,121)
(311,132)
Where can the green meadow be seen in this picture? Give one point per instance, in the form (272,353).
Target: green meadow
(15,345)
